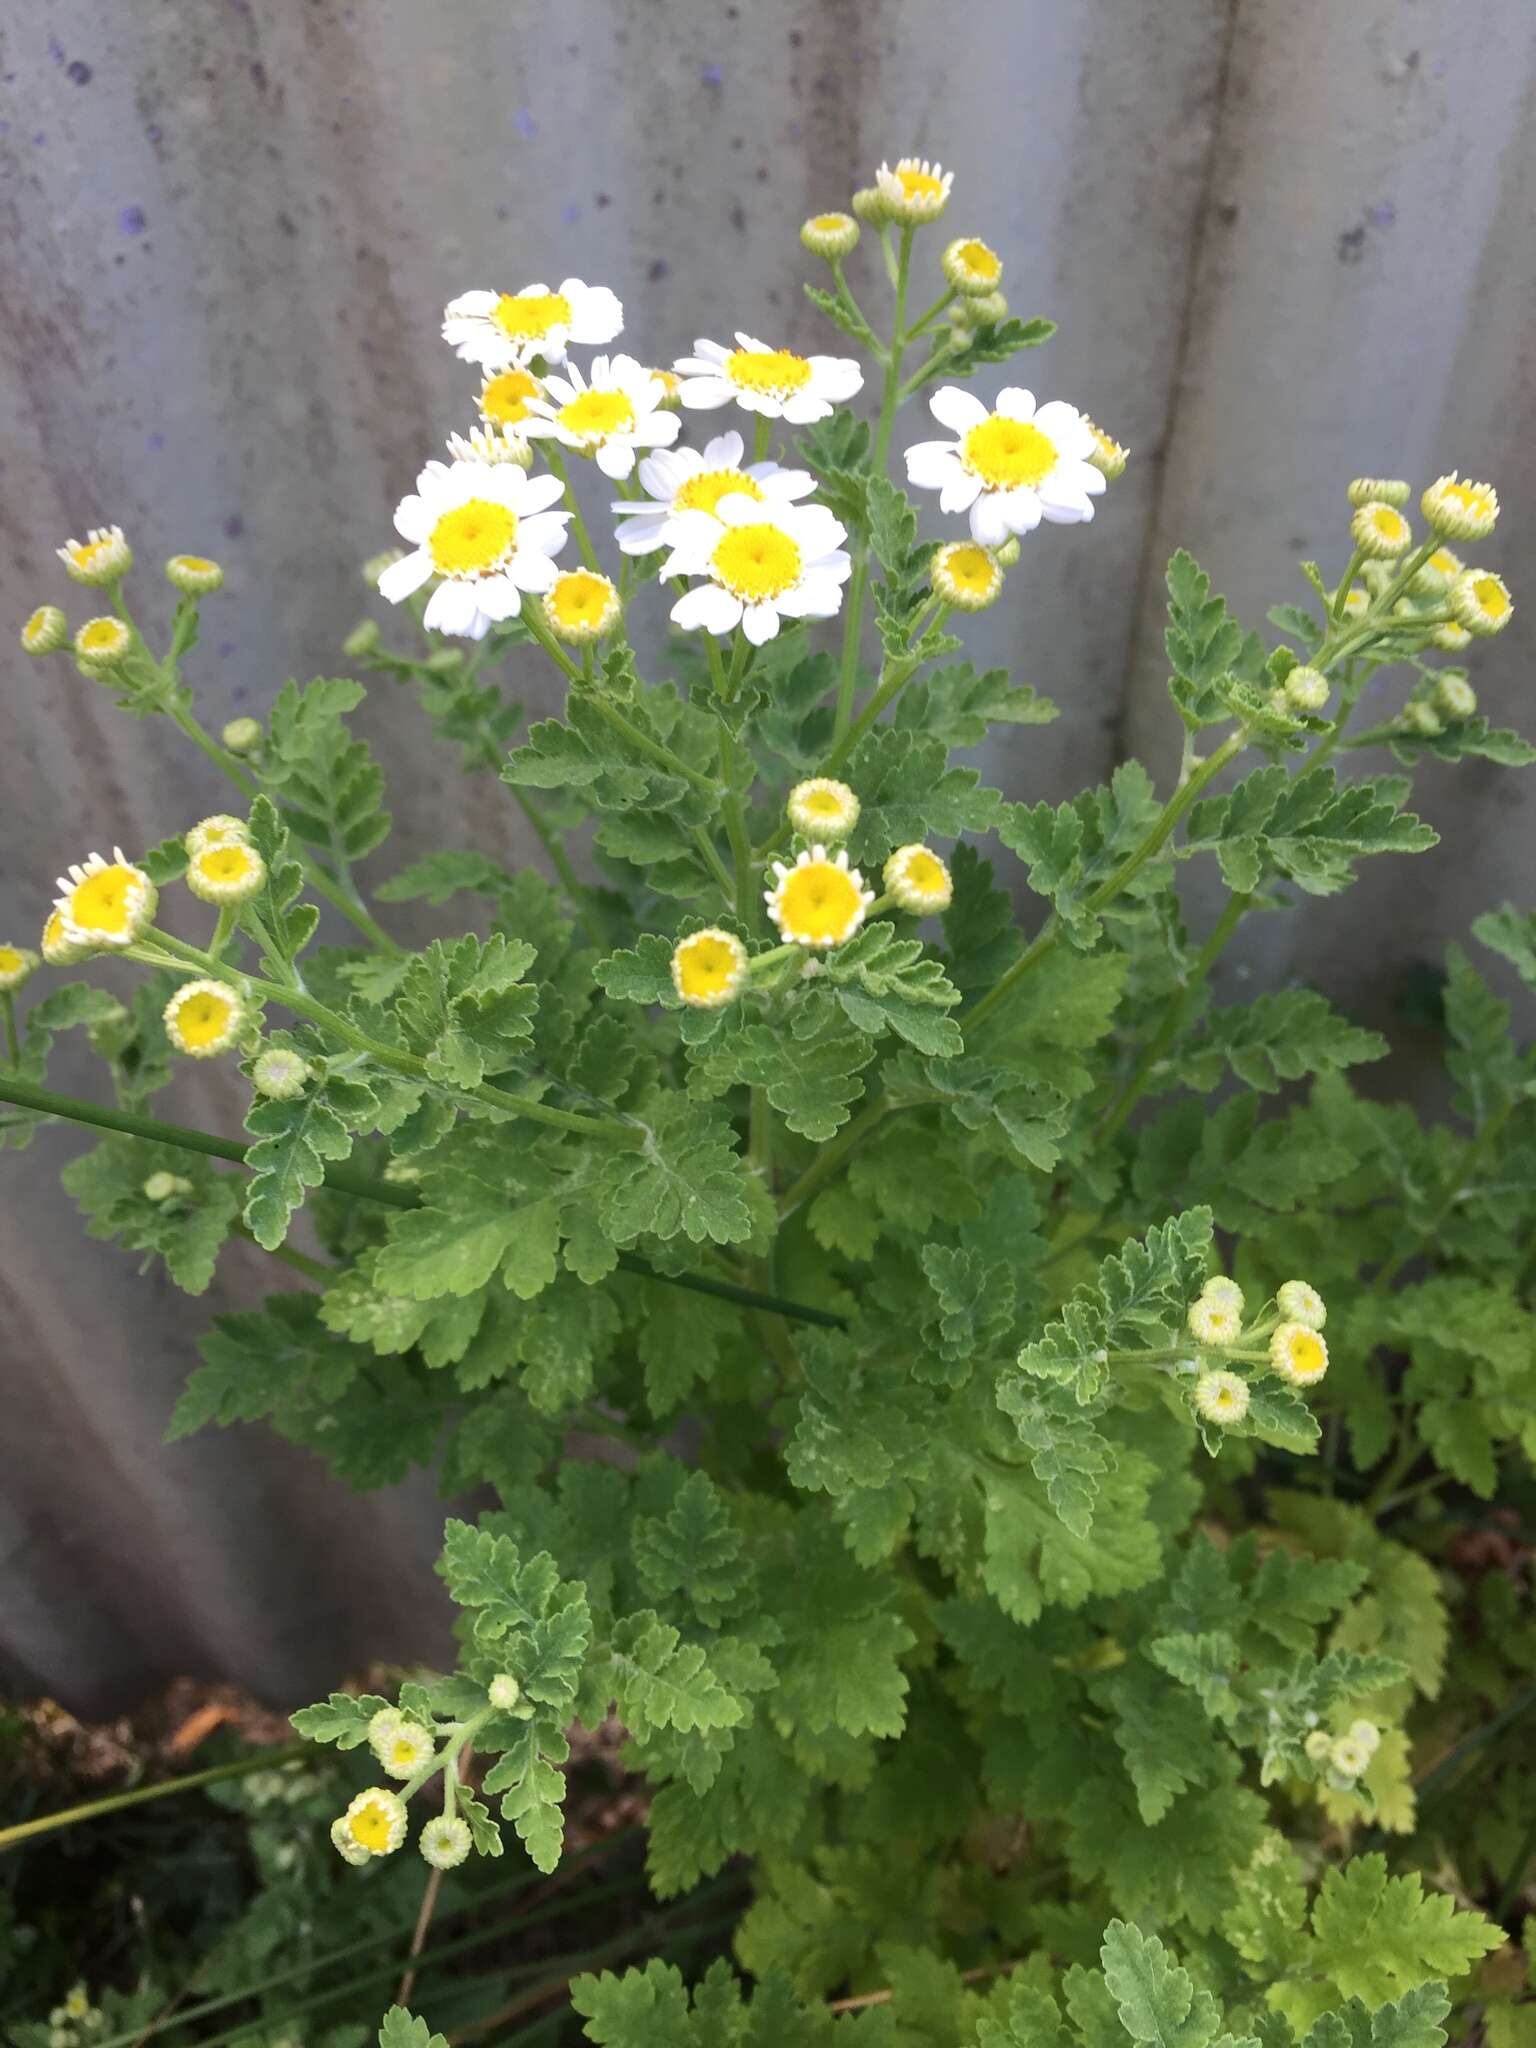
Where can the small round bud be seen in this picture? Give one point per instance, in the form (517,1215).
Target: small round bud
(1460,511)
(17,964)
(1106,455)
(968,577)
(203,1019)
(362,639)
(1298,1354)
(111,1032)
(194,574)
(822,808)
(1225,1292)
(375,565)
(231,872)
(1299,1303)
(1434,577)
(1347,1758)
(401,1173)
(445,1841)
(165,1187)
(919,880)
(504,1692)
(281,1074)
(1006,555)
(869,205)
(1306,690)
(101,644)
(1357,602)
(1318,1744)
(1380,531)
(219,830)
(1480,602)
(1366,490)
(444,661)
(581,606)
(831,236)
(984,310)
(1421,717)
(102,558)
(1221,1397)
(1367,1734)
(971,267)
(46,631)
(1450,636)
(242,736)
(1213,1320)
(1454,697)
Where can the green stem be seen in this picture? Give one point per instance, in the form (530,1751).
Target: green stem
(710,856)
(736,833)
(926,320)
(1513,1884)
(1472,1159)
(12,1045)
(48,1823)
(833,1155)
(848,302)
(557,468)
(762,435)
(312,1269)
(1157,1046)
(1129,868)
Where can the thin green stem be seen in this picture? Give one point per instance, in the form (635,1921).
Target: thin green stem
(849,303)
(12,1043)
(115,1802)
(557,468)
(1157,1046)
(736,833)
(285,1254)
(926,320)
(762,435)
(834,1155)
(709,854)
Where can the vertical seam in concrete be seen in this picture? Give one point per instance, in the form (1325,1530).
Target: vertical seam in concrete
(1149,567)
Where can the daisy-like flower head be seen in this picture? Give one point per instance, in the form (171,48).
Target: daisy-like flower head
(1213,1320)
(830,235)
(1299,1303)
(504,1692)
(487,531)
(242,736)
(194,574)
(1107,455)
(1380,531)
(967,576)
(1480,602)
(1421,717)
(491,444)
(818,902)
(17,964)
(619,410)
(375,1821)
(203,1019)
(774,381)
(100,644)
(499,329)
(1306,689)
(678,480)
(1298,1354)
(709,968)
(915,191)
(1455,697)
(1011,467)
(919,880)
(228,873)
(1434,577)
(581,606)
(402,1745)
(1460,511)
(104,903)
(1450,636)
(505,397)
(445,1841)
(971,267)
(822,808)
(281,1074)
(1227,1292)
(1380,490)
(760,563)
(1221,1397)
(219,830)
(103,557)
(46,631)
(350,1849)
(1317,1745)
(1348,1757)
(56,946)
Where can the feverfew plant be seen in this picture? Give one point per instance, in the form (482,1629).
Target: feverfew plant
(974,1530)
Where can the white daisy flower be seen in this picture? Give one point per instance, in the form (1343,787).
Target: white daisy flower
(491,444)
(203,1019)
(500,329)
(822,808)
(505,397)
(761,563)
(1299,1303)
(104,902)
(1299,1355)
(486,529)
(818,902)
(709,968)
(677,480)
(103,557)
(919,880)
(621,408)
(445,1841)
(916,190)
(1221,1397)
(774,381)
(1011,467)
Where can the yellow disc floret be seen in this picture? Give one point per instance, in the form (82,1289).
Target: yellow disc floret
(100,644)
(591,416)
(756,561)
(375,1822)
(918,880)
(16,964)
(531,316)
(580,606)
(818,902)
(830,235)
(771,372)
(1006,453)
(702,493)
(1221,1397)
(105,902)
(966,575)
(822,808)
(46,631)
(1480,601)
(1380,531)
(970,266)
(709,968)
(1298,1354)
(103,557)
(55,945)
(915,191)
(228,873)
(203,1018)
(474,539)
(194,574)
(218,830)
(504,397)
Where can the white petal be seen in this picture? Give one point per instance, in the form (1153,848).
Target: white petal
(1063,502)
(989,522)
(701,394)
(451,608)
(931,464)
(737,509)
(803,408)
(707,608)
(724,451)
(760,622)
(663,474)
(961,490)
(596,314)
(498,597)
(814,597)
(835,377)
(642,536)
(537,493)
(471,303)
(1015,403)
(786,484)
(616,459)
(956,409)
(656,430)
(530,570)
(414,518)
(1064,423)
(544,532)
(402,577)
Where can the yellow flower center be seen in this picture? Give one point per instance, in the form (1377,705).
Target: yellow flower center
(106,900)
(1467,496)
(473,539)
(579,598)
(919,184)
(980,261)
(1389,522)
(923,872)
(203,1018)
(1445,562)
(1306,1353)
(89,551)
(196,565)
(757,562)
(531,316)
(370,1825)
(1491,596)
(1005,453)
(504,401)
(819,901)
(825,803)
(228,863)
(775,372)
(1222,1398)
(11,961)
(706,965)
(594,414)
(969,566)
(102,636)
(702,493)
(53,930)
(404,1750)
(38,624)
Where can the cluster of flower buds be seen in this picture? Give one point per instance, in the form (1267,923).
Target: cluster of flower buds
(74,2020)
(1344,1759)
(1286,1338)
(376,1821)
(101,645)
(1427,584)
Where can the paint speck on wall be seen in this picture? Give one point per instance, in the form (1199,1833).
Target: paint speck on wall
(570,214)
(78,72)
(132,220)
(712,74)
(525,124)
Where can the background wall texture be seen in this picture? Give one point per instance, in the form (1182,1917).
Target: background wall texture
(1286,244)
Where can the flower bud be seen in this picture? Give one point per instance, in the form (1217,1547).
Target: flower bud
(504,1692)
(165,1187)
(1460,511)
(1480,602)
(102,558)
(17,964)
(375,565)
(101,644)
(869,205)
(46,631)
(445,661)
(242,736)
(1106,455)
(967,576)
(1380,531)
(984,310)
(1454,697)
(1422,718)
(831,236)
(281,1074)
(1381,490)
(971,267)
(445,1841)
(362,639)
(194,574)
(1306,690)
(1006,555)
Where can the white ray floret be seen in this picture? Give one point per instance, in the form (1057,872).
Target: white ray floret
(1010,467)
(678,480)
(486,529)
